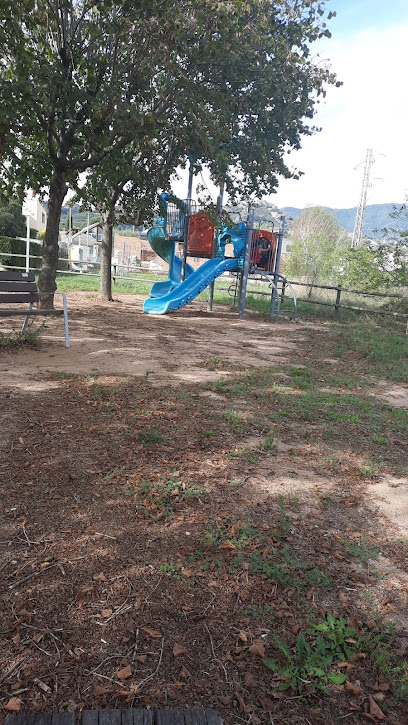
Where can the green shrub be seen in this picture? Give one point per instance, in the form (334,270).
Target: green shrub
(9,246)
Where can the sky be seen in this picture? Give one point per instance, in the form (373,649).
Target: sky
(368,52)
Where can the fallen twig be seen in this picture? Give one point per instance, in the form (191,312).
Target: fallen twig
(30,576)
(120,610)
(13,669)
(215,656)
(150,677)
(104,677)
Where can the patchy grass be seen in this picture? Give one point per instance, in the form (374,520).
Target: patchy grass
(159,499)
(13,340)
(362,549)
(382,352)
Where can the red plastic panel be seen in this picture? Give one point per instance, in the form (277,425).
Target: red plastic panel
(200,235)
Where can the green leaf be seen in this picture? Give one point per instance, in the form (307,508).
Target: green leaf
(336,679)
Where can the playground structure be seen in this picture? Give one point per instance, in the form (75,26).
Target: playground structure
(256,254)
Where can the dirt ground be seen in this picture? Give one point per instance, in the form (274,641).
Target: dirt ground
(144,509)
(118,338)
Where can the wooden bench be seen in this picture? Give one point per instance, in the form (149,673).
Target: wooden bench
(196,716)
(20,288)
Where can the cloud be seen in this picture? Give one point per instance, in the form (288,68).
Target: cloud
(369,111)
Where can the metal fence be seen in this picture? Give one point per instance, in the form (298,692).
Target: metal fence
(336,304)
(122,272)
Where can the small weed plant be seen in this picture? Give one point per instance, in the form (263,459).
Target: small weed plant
(310,664)
(151,437)
(270,444)
(363,550)
(16,339)
(236,420)
(160,497)
(171,569)
(213,363)
(284,523)
(370,470)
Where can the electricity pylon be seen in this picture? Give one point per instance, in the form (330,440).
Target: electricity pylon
(359,223)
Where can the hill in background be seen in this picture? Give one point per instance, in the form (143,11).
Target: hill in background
(377,216)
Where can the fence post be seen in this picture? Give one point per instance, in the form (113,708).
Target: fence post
(283,291)
(337,304)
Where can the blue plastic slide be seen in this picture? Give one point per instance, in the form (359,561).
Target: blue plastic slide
(163,288)
(164,248)
(191,287)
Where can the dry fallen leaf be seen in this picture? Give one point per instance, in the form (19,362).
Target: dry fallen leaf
(100,577)
(178,649)
(225,699)
(13,705)
(355,689)
(106,613)
(375,710)
(257,649)
(228,545)
(249,680)
(173,694)
(151,632)
(383,684)
(125,673)
(240,702)
(98,691)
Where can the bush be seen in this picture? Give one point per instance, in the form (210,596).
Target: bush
(9,246)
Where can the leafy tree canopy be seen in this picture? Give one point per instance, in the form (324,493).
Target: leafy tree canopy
(12,221)
(233,80)
(317,244)
(380,265)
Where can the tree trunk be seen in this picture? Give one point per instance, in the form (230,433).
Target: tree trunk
(49,266)
(105,284)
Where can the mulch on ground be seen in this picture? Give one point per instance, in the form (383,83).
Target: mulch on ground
(142,565)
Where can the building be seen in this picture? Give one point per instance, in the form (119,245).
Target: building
(35,211)
(135,252)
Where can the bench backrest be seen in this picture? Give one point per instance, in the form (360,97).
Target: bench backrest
(18,287)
